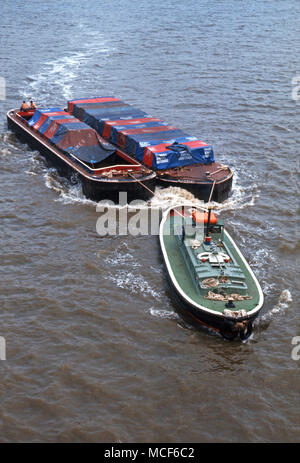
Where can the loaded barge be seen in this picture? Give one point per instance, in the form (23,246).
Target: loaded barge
(76,149)
(177,158)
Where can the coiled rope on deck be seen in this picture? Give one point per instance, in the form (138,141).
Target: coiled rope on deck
(221,297)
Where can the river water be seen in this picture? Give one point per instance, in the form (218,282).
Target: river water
(95,351)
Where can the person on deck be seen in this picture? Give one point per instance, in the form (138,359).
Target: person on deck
(24,106)
(32,105)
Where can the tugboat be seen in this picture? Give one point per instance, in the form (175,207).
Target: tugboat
(78,151)
(212,283)
(178,158)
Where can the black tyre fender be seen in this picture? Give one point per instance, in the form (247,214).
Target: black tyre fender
(229,331)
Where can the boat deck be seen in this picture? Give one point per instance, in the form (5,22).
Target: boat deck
(198,173)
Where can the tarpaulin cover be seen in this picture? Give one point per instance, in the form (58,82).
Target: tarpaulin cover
(134,131)
(41,115)
(167,155)
(127,124)
(71,135)
(38,113)
(117,133)
(135,142)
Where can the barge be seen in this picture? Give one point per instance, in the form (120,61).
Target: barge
(178,158)
(76,149)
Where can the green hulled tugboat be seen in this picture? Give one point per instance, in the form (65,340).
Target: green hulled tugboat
(212,282)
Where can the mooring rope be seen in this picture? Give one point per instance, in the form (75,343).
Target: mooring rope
(141,183)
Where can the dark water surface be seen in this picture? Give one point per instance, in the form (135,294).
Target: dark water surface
(95,350)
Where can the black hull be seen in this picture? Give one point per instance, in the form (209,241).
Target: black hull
(201,190)
(200,319)
(111,190)
(94,189)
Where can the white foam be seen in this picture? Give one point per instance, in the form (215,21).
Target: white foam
(283,302)
(135,284)
(5,152)
(29,172)
(240,198)
(10,145)
(160,313)
(74,195)
(119,258)
(171,197)
(68,193)
(58,76)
